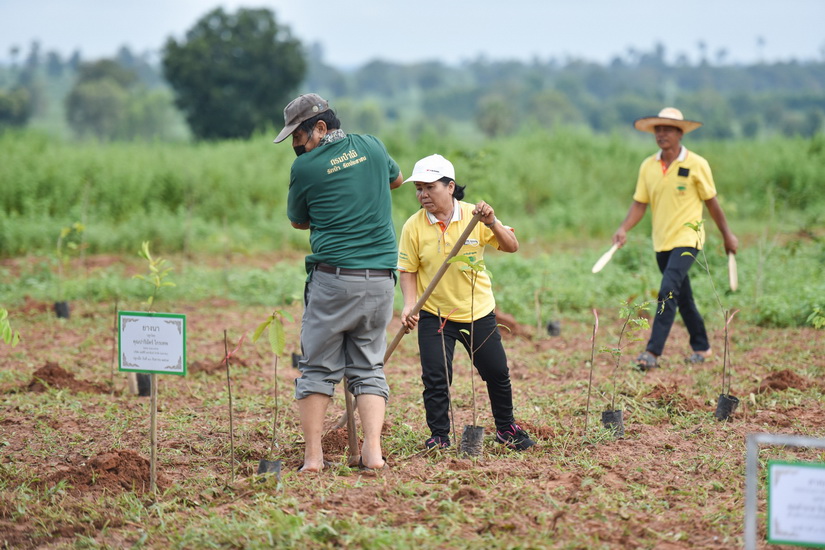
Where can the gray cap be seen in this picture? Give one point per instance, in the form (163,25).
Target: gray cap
(300,109)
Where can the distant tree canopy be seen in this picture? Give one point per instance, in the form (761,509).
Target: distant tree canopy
(234,73)
(502,97)
(15,107)
(109,102)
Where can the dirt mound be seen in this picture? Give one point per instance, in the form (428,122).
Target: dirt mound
(335,442)
(215,367)
(537,431)
(782,380)
(115,471)
(670,397)
(205,366)
(52,375)
(516,329)
(31,306)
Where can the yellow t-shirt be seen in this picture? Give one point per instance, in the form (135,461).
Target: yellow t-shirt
(423,248)
(676,197)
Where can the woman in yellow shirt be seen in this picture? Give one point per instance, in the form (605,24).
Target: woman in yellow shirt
(464,298)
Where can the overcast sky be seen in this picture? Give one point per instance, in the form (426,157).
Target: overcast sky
(352,33)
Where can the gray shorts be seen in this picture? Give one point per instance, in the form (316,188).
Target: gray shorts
(344,333)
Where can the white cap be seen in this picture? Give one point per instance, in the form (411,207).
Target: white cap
(432,168)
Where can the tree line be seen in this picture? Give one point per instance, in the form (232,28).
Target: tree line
(233,72)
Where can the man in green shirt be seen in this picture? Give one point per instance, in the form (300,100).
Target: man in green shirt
(339,189)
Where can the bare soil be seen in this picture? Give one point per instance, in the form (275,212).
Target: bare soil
(672,446)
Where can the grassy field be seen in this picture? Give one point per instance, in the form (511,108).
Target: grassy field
(564,192)
(74,468)
(230,196)
(76,445)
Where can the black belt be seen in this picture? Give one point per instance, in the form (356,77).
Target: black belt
(366,273)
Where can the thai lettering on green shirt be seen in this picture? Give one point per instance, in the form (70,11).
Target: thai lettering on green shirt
(343,190)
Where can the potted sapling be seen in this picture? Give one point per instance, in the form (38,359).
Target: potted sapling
(633,322)
(473,435)
(156,277)
(726,403)
(69,242)
(274,327)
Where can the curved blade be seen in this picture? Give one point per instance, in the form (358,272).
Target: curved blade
(604,259)
(733,275)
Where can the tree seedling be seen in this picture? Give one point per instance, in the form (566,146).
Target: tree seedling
(274,327)
(10,336)
(633,322)
(69,242)
(817,318)
(156,277)
(472,438)
(726,403)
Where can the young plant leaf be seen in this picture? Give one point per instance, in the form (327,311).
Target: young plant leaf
(277,338)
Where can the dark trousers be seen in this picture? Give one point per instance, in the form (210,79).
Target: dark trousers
(675,292)
(489,359)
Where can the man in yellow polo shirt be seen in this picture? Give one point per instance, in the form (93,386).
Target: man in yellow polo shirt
(675,183)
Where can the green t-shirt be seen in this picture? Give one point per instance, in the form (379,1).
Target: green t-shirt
(343,190)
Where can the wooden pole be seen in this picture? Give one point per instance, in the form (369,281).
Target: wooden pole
(153,433)
(114,353)
(353,453)
(436,278)
(231,420)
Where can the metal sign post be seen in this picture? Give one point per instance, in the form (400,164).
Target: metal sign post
(153,343)
(752,443)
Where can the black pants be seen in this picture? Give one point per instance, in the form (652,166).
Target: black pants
(489,359)
(676,293)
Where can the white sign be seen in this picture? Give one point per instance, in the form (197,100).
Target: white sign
(796,503)
(152,342)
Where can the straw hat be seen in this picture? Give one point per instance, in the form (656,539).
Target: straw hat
(667,117)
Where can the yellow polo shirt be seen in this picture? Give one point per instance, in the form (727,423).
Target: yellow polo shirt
(423,248)
(676,197)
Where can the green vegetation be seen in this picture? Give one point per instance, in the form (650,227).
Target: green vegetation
(108,102)
(564,192)
(558,159)
(10,336)
(231,196)
(234,73)
(505,97)
(158,271)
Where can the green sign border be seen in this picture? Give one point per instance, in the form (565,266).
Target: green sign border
(771,540)
(121,314)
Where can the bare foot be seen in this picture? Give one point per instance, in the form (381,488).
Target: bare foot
(313,467)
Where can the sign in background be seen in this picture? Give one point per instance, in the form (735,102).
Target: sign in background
(152,343)
(796,503)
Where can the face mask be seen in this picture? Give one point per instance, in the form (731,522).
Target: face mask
(301,149)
